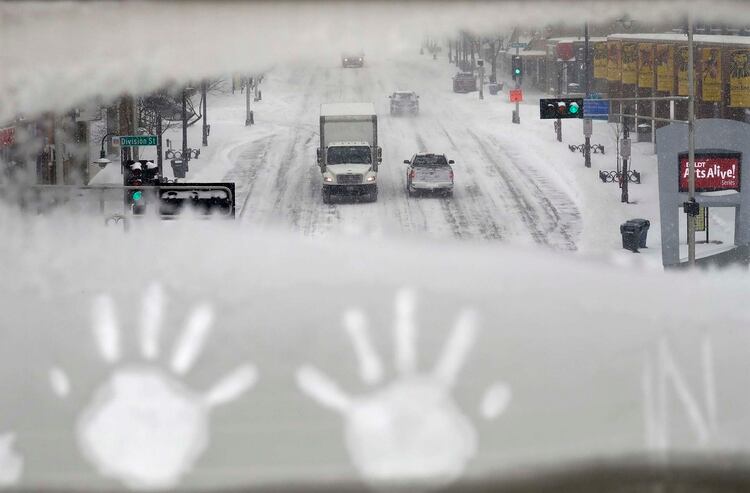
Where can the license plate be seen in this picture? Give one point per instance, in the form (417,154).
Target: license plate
(351,189)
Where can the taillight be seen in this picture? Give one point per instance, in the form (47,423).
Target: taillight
(451,175)
(412,174)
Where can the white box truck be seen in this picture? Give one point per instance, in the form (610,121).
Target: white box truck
(349,155)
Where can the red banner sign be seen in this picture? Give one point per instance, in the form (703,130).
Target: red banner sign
(565,51)
(713,171)
(516,95)
(7,136)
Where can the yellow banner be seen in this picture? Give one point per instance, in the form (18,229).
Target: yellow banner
(600,60)
(739,79)
(665,68)
(613,61)
(682,71)
(711,74)
(646,65)
(629,63)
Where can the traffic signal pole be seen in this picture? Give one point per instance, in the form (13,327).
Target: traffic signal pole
(691,141)
(587,82)
(517,114)
(204,85)
(185,156)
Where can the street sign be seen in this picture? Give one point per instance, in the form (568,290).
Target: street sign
(138,140)
(588,128)
(115,141)
(516,95)
(521,46)
(596,109)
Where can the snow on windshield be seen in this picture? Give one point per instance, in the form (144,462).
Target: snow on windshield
(426,340)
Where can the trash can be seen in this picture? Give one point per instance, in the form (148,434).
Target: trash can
(644,132)
(493,88)
(634,234)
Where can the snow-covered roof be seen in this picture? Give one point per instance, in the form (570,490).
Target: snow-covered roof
(573,39)
(677,37)
(530,53)
(349,143)
(347,109)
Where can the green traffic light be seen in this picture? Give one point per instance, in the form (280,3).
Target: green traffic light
(518,71)
(137,195)
(573,108)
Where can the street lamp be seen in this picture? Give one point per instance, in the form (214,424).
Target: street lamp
(103,161)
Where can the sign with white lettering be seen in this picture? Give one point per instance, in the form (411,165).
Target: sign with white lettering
(714,171)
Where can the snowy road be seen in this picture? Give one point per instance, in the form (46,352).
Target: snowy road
(499,194)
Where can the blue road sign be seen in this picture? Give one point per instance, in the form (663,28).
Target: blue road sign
(596,109)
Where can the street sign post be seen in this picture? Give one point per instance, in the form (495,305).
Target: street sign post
(596,109)
(138,140)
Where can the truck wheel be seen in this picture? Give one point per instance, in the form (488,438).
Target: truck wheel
(326,197)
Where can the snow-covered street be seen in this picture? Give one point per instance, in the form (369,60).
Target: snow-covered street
(503,189)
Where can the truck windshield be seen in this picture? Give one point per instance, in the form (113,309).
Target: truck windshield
(349,154)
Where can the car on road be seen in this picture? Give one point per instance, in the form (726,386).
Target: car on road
(464,82)
(352,60)
(427,172)
(403,102)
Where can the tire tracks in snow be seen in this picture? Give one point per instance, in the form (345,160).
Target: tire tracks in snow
(541,233)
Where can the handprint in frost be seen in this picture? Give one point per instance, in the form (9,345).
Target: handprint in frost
(11,464)
(143,426)
(411,429)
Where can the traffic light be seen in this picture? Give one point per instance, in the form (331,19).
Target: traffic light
(552,109)
(516,67)
(136,173)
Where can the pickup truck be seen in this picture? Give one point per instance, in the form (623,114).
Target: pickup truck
(427,172)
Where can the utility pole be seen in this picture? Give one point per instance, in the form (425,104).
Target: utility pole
(481,79)
(185,156)
(517,112)
(134,102)
(587,83)
(248,113)
(558,122)
(159,149)
(204,88)
(625,153)
(691,141)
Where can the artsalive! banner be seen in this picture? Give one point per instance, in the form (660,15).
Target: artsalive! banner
(739,78)
(665,68)
(614,61)
(711,74)
(600,60)
(629,63)
(646,66)
(714,171)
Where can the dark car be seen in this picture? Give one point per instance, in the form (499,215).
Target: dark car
(352,60)
(464,82)
(404,102)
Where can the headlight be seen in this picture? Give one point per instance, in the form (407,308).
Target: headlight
(360,59)
(370,178)
(328,179)
(346,59)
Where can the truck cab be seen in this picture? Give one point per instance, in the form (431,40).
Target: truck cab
(348,155)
